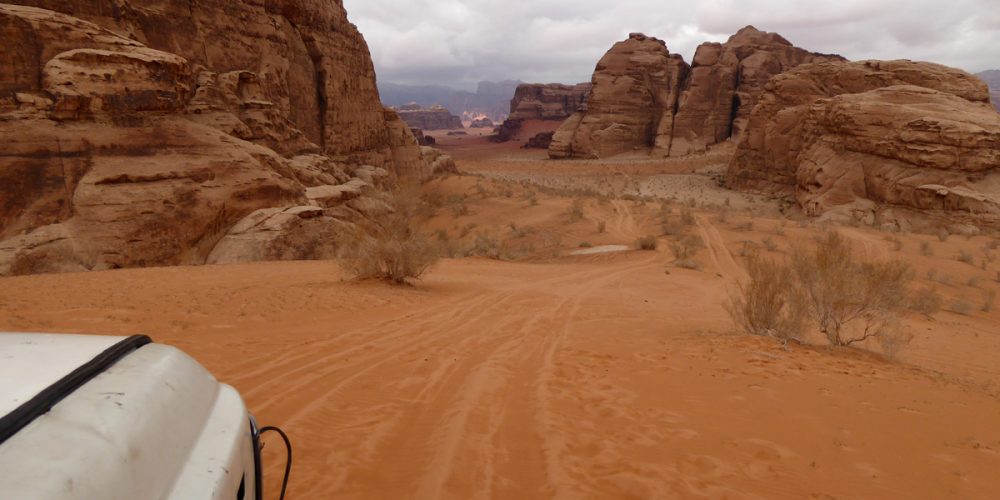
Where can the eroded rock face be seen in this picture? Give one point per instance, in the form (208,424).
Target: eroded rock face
(860,139)
(433,118)
(645,98)
(552,101)
(635,88)
(726,81)
(141,132)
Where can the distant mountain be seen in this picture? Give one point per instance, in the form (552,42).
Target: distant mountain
(491,99)
(992,78)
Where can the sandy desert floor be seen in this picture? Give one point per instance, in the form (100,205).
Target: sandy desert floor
(548,375)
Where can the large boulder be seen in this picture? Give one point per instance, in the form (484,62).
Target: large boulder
(646,99)
(631,105)
(871,138)
(140,133)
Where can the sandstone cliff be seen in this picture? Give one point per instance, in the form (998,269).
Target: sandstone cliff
(873,140)
(645,98)
(140,132)
(552,101)
(433,118)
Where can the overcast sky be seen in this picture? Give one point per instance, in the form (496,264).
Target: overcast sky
(460,42)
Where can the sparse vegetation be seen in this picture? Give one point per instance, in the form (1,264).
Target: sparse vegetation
(391,248)
(926,301)
(848,300)
(961,306)
(769,244)
(575,212)
(602,227)
(966,257)
(648,243)
(768,304)
(926,250)
(989,299)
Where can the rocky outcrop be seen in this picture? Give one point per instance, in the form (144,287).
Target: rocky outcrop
(433,118)
(632,103)
(541,140)
(140,133)
(423,139)
(992,79)
(482,123)
(438,162)
(726,81)
(553,101)
(646,99)
(874,139)
(506,131)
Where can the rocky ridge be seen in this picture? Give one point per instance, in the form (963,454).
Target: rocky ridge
(432,118)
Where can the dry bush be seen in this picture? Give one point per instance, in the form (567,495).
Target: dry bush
(575,212)
(851,300)
(686,247)
(691,264)
(926,250)
(769,303)
(744,226)
(943,235)
(390,248)
(964,256)
(687,216)
(896,243)
(769,244)
(487,246)
(648,242)
(961,306)
(989,299)
(586,244)
(926,301)
(602,227)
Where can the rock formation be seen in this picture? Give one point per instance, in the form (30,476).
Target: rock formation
(482,123)
(874,139)
(992,79)
(553,101)
(422,139)
(645,98)
(433,118)
(541,140)
(145,132)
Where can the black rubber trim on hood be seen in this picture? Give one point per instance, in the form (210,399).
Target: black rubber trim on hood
(13,422)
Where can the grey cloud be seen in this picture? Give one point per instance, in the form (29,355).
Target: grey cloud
(460,42)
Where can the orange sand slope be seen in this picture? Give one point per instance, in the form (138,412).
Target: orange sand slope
(583,377)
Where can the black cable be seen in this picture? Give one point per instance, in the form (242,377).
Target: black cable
(288,463)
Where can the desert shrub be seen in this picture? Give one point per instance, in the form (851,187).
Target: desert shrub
(961,306)
(747,248)
(602,227)
(770,244)
(575,212)
(460,210)
(744,226)
(926,250)
(686,247)
(943,235)
(691,264)
(487,246)
(851,300)
(973,282)
(687,216)
(896,243)
(648,242)
(586,244)
(989,299)
(769,304)
(926,301)
(966,257)
(392,247)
